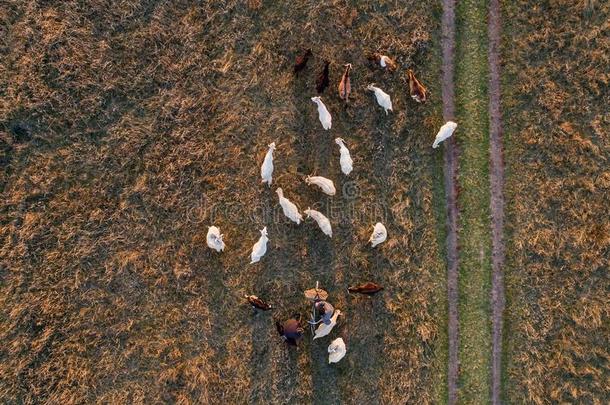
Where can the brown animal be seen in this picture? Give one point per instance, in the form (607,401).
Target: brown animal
(383,61)
(345,85)
(301,61)
(417,90)
(322,82)
(258,303)
(366,288)
(291,330)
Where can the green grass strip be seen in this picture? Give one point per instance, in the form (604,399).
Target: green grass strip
(474,235)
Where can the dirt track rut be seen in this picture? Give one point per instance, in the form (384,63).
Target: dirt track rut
(451,161)
(497,199)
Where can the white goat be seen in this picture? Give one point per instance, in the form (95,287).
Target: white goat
(214,239)
(289,208)
(383,98)
(323,113)
(326,185)
(322,221)
(379,235)
(325,329)
(345,160)
(386,61)
(445,132)
(260,247)
(267,166)
(336,350)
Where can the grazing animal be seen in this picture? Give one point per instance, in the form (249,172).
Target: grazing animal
(366,288)
(260,247)
(326,185)
(323,113)
(301,61)
(345,85)
(267,166)
(336,350)
(322,221)
(416,89)
(384,61)
(257,303)
(289,208)
(379,235)
(291,330)
(383,98)
(445,132)
(214,239)
(324,329)
(345,160)
(322,82)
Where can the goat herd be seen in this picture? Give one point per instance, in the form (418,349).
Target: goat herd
(292,330)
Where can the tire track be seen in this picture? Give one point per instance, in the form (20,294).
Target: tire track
(497,199)
(450,163)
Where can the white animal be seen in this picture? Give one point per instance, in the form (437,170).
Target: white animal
(445,132)
(336,350)
(322,221)
(383,98)
(289,208)
(323,113)
(385,61)
(379,235)
(214,239)
(260,247)
(345,160)
(326,185)
(325,329)
(267,166)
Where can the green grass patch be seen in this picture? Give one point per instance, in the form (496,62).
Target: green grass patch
(474,202)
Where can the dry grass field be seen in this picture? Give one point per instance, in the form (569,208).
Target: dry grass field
(558,193)
(128,127)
